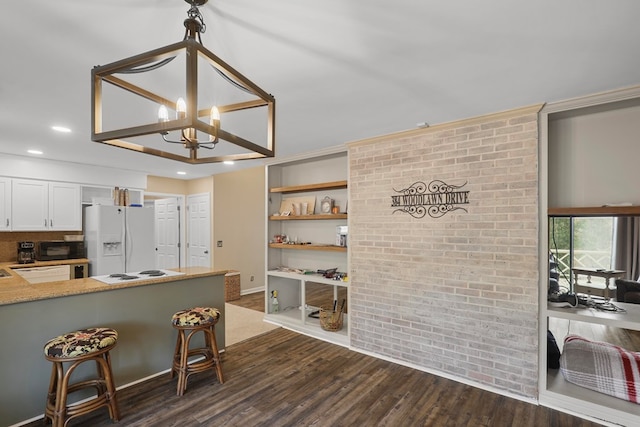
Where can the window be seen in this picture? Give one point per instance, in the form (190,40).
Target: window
(581,242)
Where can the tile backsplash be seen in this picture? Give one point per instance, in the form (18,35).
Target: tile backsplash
(9,241)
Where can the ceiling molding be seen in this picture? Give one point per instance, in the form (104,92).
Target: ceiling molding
(533,109)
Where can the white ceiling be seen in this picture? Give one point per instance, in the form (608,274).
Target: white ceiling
(340,70)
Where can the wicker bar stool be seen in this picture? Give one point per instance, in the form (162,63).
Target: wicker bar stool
(188,322)
(75,348)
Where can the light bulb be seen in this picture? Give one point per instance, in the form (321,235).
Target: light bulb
(181,109)
(163,114)
(214,120)
(215,115)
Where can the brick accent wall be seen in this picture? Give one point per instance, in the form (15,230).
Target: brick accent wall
(456,294)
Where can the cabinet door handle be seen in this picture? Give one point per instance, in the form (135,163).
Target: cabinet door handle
(7,222)
(50,223)
(45,223)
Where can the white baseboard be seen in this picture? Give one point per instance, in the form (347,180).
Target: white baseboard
(252,290)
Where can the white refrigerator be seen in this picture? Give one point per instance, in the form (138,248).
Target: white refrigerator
(119,239)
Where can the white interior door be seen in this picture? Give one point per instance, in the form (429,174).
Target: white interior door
(167,233)
(199,243)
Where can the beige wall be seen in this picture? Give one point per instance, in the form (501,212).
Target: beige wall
(200,185)
(455,293)
(239,222)
(157,184)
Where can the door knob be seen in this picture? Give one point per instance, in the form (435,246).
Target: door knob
(206,252)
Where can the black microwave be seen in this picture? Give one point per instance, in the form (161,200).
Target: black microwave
(59,249)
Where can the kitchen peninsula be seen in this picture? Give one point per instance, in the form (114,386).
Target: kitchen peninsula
(31,314)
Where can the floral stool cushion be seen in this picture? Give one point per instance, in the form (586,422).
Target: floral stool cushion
(196,316)
(78,343)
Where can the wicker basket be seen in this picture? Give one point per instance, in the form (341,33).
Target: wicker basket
(330,320)
(232,286)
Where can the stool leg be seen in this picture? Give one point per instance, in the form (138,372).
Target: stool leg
(110,392)
(62,393)
(57,408)
(176,355)
(213,345)
(50,406)
(210,354)
(184,360)
(184,364)
(100,385)
(56,404)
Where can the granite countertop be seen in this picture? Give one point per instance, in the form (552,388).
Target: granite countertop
(15,289)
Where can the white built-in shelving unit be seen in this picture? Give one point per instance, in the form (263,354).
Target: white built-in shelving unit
(292,266)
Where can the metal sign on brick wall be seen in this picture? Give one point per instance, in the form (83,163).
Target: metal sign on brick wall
(436,199)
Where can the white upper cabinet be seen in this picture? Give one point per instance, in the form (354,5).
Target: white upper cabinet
(5,204)
(29,205)
(43,206)
(65,208)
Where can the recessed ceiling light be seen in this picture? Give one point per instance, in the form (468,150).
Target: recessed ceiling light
(228,162)
(61,129)
(34,151)
(181,173)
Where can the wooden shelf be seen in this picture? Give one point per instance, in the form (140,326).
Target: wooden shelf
(310,247)
(596,211)
(310,187)
(308,217)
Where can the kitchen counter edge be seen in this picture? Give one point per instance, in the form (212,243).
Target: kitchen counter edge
(15,289)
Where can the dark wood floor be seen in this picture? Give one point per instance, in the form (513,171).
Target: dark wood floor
(282,378)
(253,301)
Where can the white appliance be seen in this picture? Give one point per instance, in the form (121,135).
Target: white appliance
(119,239)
